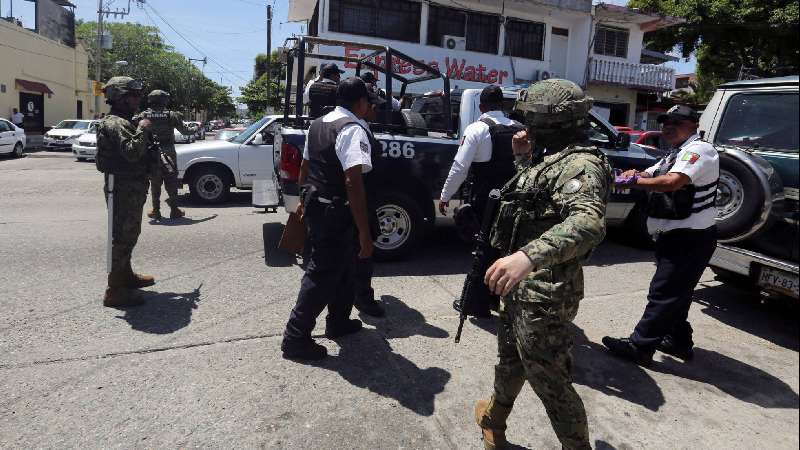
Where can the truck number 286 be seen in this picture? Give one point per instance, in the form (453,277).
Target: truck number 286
(394,149)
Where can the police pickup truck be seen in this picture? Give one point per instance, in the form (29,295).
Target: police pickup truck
(418,146)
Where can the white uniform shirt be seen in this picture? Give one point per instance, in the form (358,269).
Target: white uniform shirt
(17,118)
(699,161)
(306,98)
(352,143)
(475,147)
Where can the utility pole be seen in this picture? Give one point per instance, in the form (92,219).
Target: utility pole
(98,69)
(269,50)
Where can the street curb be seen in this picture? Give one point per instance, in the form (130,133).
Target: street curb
(49,155)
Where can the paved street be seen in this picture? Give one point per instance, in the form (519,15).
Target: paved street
(199,365)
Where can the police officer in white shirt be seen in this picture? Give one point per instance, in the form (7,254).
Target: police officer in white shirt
(487,156)
(337,153)
(17,118)
(320,92)
(681,216)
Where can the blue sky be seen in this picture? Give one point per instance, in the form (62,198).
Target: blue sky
(230,32)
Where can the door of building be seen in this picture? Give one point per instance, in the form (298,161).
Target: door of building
(558,52)
(32,105)
(79,114)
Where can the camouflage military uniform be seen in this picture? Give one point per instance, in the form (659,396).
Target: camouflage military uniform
(164,122)
(554,212)
(122,151)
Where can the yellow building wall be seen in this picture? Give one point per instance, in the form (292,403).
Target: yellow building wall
(28,56)
(615,94)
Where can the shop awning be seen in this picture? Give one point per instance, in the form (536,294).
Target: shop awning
(33,86)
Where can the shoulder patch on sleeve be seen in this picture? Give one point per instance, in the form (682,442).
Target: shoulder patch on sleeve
(572,186)
(690,157)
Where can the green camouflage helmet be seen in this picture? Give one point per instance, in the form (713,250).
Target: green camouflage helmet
(158,98)
(118,87)
(554,104)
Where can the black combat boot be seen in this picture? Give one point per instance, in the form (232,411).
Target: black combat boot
(303,350)
(369,307)
(626,349)
(343,328)
(671,346)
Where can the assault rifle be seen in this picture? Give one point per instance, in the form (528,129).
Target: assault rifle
(482,256)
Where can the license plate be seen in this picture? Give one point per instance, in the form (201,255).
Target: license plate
(779,280)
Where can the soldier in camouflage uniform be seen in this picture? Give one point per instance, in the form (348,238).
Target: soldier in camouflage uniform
(551,216)
(164,122)
(122,151)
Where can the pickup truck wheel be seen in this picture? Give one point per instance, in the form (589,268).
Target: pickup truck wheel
(400,225)
(210,185)
(739,198)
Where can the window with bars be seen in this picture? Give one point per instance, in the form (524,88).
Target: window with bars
(611,42)
(524,39)
(481,30)
(390,19)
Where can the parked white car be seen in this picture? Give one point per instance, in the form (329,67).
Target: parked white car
(85,147)
(63,135)
(12,139)
(182,138)
(212,168)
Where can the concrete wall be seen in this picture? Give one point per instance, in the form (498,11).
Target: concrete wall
(28,56)
(577,22)
(615,94)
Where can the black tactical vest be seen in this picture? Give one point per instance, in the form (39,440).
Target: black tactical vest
(496,172)
(684,202)
(325,171)
(320,95)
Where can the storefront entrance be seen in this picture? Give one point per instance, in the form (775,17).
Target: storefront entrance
(32,106)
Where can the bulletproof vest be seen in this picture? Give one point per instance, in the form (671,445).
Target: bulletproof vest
(533,210)
(320,95)
(325,171)
(163,128)
(109,158)
(680,204)
(496,172)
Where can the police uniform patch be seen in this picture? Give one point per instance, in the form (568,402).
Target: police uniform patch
(690,157)
(364,147)
(572,186)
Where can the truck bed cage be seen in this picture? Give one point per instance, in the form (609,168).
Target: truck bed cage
(304,47)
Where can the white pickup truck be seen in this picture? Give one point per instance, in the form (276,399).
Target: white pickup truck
(211,168)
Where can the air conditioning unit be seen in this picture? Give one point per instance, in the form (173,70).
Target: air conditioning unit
(454,42)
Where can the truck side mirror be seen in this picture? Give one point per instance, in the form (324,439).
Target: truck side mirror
(623,140)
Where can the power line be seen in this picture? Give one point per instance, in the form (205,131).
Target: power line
(192,43)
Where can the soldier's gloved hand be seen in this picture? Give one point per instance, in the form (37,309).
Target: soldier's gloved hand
(626,179)
(145,125)
(507,272)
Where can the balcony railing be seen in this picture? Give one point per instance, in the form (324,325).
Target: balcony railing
(638,76)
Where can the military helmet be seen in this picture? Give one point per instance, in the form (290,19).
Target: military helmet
(553,104)
(118,87)
(158,98)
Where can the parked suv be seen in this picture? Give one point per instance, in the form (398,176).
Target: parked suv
(753,124)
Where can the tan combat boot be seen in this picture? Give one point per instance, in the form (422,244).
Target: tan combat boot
(154,213)
(491,417)
(118,295)
(176,213)
(134,280)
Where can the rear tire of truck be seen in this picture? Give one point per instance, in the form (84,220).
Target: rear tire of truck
(414,122)
(739,199)
(401,224)
(210,185)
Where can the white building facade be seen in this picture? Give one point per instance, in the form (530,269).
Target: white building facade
(480,42)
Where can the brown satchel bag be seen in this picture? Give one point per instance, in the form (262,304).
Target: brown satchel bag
(294,235)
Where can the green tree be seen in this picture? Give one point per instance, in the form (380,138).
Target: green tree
(730,38)
(158,65)
(254,94)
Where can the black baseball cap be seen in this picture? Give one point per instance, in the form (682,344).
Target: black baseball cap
(368,77)
(491,95)
(329,69)
(680,112)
